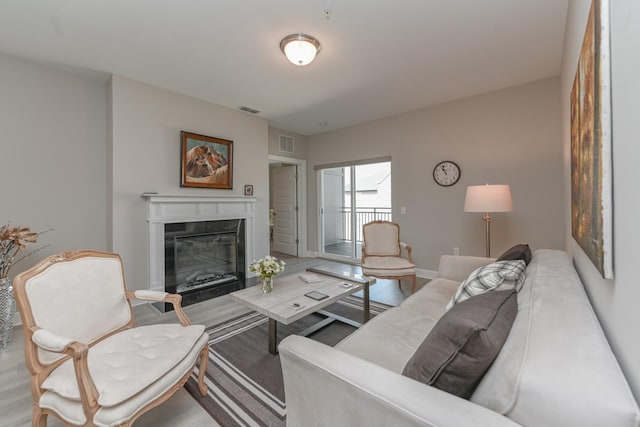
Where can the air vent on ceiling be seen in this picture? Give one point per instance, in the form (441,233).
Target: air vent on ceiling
(286,144)
(249,110)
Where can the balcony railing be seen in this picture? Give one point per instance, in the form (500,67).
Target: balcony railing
(363,216)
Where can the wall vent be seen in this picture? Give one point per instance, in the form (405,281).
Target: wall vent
(286,144)
(249,110)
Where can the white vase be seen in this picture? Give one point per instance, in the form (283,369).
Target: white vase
(7,311)
(267,284)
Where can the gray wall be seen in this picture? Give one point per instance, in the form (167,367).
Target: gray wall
(77,152)
(511,136)
(615,301)
(53,167)
(146,125)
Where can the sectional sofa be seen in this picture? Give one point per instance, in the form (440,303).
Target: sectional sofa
(555,368)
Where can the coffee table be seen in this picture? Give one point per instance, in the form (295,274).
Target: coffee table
(288,303)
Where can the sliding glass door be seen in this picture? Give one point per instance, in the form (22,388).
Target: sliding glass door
(351,196)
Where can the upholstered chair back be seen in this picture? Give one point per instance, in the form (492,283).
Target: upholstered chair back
(381,238)
(80,298)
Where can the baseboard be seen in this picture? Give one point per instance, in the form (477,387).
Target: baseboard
(426,274)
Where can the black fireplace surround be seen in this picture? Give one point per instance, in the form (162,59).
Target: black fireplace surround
(204,260)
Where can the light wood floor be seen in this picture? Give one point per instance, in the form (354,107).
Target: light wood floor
(181,410)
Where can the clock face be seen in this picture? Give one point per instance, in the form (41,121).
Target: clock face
(446,173)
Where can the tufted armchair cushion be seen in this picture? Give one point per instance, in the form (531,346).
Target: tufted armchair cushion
(125,363)
(382,253)
(388,266)
(381,238)
(94,287)
(90,366)
(72,411)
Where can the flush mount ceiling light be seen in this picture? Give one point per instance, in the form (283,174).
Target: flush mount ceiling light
(300,49)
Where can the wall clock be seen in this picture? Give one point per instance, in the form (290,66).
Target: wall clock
(446,173)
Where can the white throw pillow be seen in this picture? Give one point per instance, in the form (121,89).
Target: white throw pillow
(503,275)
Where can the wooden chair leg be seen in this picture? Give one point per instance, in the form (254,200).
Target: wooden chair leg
(39,418)
(202,370)
(413,287)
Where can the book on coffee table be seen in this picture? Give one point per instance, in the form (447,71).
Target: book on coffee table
(310,278)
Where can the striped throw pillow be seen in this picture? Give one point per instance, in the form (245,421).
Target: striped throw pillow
(503,275)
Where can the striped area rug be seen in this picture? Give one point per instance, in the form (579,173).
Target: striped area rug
(244,379)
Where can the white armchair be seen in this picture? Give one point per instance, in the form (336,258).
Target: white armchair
(382,253)
(90,366)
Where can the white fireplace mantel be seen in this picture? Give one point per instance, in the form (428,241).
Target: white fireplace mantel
(163,209)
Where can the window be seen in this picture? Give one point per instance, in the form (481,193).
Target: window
(351,196)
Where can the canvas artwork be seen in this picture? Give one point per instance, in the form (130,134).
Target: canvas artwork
(207,162)
(591,183)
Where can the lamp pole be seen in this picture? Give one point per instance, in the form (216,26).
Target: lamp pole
(487,219)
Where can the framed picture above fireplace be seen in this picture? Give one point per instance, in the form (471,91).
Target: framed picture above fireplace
(206,161)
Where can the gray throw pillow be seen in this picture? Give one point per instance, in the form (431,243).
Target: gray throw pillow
(464,343)
(521,251)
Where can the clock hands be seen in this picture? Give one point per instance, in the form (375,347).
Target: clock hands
(446,173)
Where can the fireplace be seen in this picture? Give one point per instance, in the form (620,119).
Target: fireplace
(204,259)
(199,245)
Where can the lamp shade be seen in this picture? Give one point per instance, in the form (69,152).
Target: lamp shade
(300,49)
(488,198)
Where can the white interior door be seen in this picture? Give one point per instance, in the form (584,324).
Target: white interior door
(285,227)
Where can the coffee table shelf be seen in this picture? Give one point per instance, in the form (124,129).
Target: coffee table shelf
(288,303)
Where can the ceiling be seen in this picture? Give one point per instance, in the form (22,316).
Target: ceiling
(379,58)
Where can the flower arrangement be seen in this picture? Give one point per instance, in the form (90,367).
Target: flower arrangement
(267,267)
(12,241)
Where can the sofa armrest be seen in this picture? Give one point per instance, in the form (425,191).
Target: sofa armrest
(327,387)
(456,267)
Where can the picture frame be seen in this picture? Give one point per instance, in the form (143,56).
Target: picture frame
(206,161)
(248,190)
(591,151)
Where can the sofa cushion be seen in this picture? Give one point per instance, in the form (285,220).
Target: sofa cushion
(390,339)
(556,368)
(521,251)
(502,275)
(463,344)
(431,299)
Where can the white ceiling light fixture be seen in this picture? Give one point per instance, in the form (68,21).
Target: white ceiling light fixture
(300,49)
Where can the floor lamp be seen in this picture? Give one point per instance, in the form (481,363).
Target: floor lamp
(488,198)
